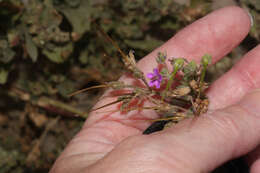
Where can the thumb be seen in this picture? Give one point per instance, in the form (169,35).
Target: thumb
(214,138)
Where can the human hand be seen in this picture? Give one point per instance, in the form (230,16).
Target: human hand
(111,142)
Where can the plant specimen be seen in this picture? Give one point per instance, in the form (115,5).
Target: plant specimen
(175,93)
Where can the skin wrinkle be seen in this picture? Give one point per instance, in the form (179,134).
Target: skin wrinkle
(218,123)
(246,78)
(87,154)
(233,127)
(93,142)
(100,135)
(68,167)
(252,82)
(118,116)
(171,139)
(125,163)
(93,130)
(120,121)
(238,139)
(90,146)
(156,157)
(93,155)
(176,163)
(110,133)
(249,110)
(211,144)
(131,120)
(225,128)
(148,146)
(77,158)
(245,113)
(233,89)
(172,157)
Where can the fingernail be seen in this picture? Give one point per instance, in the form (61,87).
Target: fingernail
(251,18)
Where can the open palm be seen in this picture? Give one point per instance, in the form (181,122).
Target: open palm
(112,142)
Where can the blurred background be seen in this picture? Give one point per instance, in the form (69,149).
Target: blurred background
(50,48)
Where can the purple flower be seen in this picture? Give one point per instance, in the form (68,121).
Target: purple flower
(155,78)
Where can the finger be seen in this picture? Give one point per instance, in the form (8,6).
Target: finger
(232,86)
(215,138)
(255,168)
(253,159)
(217,34)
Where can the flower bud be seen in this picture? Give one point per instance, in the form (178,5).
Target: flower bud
(161,57)
(206,60)
(178,63)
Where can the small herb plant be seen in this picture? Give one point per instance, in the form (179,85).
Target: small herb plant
(175,93)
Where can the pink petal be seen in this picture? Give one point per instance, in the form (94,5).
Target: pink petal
(156,71)
(150,75)
(157,84)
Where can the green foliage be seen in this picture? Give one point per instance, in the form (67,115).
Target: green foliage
(6,53)
(56,36)
(8,160)
(3,76)
(31,47)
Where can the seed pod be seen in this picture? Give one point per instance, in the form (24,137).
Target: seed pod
(161,57)
(206,60)
(181,91)
(177,63)
(194,85)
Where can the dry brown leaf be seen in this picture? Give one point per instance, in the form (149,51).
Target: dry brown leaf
(3,119)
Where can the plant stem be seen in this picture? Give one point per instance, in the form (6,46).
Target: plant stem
(202,77)
(169,84)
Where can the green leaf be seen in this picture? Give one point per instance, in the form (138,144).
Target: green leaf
(83,58)
(31,47)
(66,87)
(73,3)
(58,54)
(6,53)
(79,17)
(3,76)
(206,60)
(148,44)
